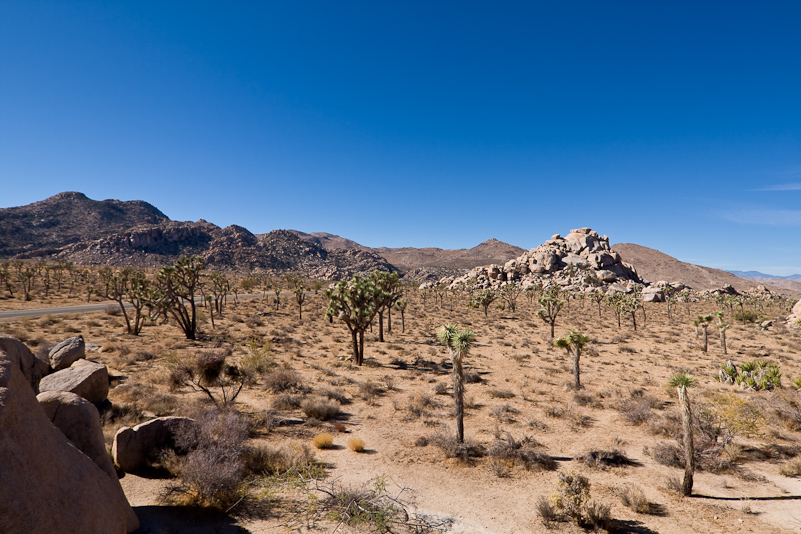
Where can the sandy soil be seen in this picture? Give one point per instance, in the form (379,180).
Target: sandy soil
(524,391)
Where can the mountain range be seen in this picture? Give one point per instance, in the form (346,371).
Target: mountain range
(73,227)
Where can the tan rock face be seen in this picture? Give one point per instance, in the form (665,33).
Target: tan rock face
(32,368)
(67,352)
(135,448)
(46,484)
(795,315)
(79,421)
(90,381)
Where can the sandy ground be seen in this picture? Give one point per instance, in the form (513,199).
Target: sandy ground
(524,391)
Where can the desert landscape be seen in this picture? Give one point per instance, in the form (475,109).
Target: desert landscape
(267,418)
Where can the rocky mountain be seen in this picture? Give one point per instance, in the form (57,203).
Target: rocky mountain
(230,248)
(44,227)
(654,266)
(329,241)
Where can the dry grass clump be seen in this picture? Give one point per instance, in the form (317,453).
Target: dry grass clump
(420,405)
(572,503)
(287,401)
(323,441)
(320,408)
(600,458)
(465,451)
(333,394)
(500,393)
(637,409)
(504,413)
(792,468)
(282,379)
(356,444)
(527,452)
(633,498)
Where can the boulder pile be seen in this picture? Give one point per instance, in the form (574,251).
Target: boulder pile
(795,316)
(580,261)
(56,475)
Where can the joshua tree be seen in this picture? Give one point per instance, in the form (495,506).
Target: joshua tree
(132,287)
(300,293)
(178,284)
(5,278)
(550,304)
(722,327)
(703,321)
(484,299)
(597,297)
(387,284)
(573,343)
(683,381)
(458,340)
(509,293)
(630,304)
(355,302)
(670,294)
(401,305)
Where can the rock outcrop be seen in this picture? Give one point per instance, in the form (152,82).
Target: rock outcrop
(794,318)
(47,485)
(582,260)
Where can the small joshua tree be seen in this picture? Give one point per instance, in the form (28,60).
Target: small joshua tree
(573,343)
(458,340)
(484,299)
(401,306)
(703,321)
(722,327)
(683,381)
(550,305)
(509,293)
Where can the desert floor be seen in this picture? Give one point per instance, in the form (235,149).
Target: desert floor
(400,399)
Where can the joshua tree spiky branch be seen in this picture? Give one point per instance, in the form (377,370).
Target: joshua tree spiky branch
(573,343)
(458,340)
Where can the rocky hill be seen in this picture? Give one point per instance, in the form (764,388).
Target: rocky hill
(580,261)
(44,227)
(230,248)
(654,266)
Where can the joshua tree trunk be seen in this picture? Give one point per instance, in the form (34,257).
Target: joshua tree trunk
(723,341)
(689,453)
(458,397)
(355,343)
(381,326)
(705,337)
(576,372)
(361,347)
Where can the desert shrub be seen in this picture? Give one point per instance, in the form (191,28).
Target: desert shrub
(666,453)
(320,408)
(370,391)
(674,484)
(746,316)
(546,510)
(472,377)
(420,404)
(792,468)
(257,359)
(600,458)
(333,394)
(441,388)
(113,310)
(212,473)
(287,401)
(632,497)
(453,449)
(527,452)
(323,441)
(572,503)
(356,445)
(504,413)
(637,409)
(210,371)
(784,407)
(282,379)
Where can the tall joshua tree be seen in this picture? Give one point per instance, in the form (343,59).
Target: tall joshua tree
(722,327)
(683,381)
(458,340)
(573,343)
(355,302)
(703,321)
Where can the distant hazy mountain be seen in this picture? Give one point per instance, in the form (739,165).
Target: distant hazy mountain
(757,274)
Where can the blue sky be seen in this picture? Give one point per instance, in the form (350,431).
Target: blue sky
(673,125)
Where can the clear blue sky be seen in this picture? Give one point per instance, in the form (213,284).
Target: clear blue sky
(674,125)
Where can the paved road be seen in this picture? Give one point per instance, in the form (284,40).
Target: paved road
(88,308)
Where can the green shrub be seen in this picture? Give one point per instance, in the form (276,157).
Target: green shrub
(755,375)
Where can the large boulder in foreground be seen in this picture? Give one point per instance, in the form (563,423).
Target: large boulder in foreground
(89,380)
(79,421)
(46,484)
(67,352)
(135,449)
(32,368)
